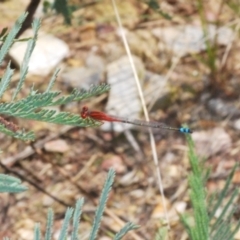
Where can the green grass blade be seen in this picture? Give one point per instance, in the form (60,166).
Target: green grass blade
(222,194)
(221,231)
(225,209)
(235,230)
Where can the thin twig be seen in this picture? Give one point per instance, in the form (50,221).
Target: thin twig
(31,9)
(229,46)
(152,140)
(24,178)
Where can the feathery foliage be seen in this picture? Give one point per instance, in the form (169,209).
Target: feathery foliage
(204,210)
(9,40)
(32,107)
(129,226)
(52,81)
(76,216)
(66,222)
(222,228)
(76,219)
(103,199)
(27,56)
(5,80)
(48,234)
(37,233)
(36,105)
(11,184)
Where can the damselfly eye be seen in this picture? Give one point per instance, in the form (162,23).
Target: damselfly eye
(84,112)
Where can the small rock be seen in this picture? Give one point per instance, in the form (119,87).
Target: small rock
(114,162)
(189,39)
(159,211)
(236,124)
(105,238)
(212,186)
(129,178)
(211,142)
(169,158)
(155,89)
(180,207)
(173,170)
(47,54)
(95,62)
(123,91)
(236,177)
(223,109)
(112,51)
(59,146)
(47,201)
(138,193)
(81,77)
(25,227)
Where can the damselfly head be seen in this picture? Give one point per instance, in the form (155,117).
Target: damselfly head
(84,112)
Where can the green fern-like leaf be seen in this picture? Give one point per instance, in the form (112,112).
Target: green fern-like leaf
(223,193)
(9,40)
(221,228)
(37,233)
(5,80)
(26,59)
(103,199)
(48,234)
(66,222)
(52,81)
(76,219)
(128,227)
(30,107)
(10,181)
(198,197)
(35,105)
(11,184)
(21,134)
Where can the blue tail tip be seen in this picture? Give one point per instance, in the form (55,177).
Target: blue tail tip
(185,130)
